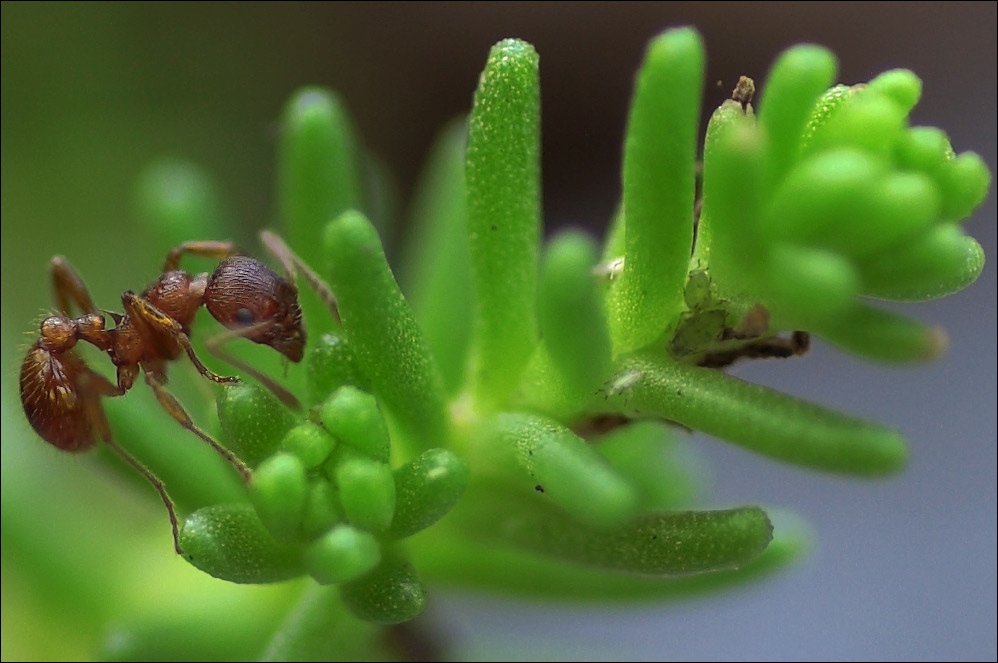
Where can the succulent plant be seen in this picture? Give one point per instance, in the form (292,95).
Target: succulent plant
(507,421)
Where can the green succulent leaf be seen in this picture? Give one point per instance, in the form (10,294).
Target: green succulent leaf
(322,508)
(390,594)
(330,364)
(798,78)
(253,422)
(491,566)
(658,179)
(540,456)
(310,443)
(390,348)
(571,315)
(438,265)
(278,491)
(367,493)
(342,554)
(503,180)
(177,201)
(229,542)
(676,543)
(353,417)
(937,263)
(319,171)
(426,489)
(752,416)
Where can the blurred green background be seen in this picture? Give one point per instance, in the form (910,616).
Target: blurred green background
(93,92)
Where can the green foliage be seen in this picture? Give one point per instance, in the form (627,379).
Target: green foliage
(831,197)
(502,426)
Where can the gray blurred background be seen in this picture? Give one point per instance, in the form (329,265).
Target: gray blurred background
(901,569)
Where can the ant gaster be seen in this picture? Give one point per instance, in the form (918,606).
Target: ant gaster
(61,394)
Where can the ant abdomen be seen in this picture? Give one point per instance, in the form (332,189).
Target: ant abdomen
(55,401)
(243,293)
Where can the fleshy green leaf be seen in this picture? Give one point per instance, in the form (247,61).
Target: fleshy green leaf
(937,263)
(278,491)
(330,364)
(799,76)
(438,273)
(342,554)
(545,458)
(503,176)
(179,203)
(572,324)
(661,467)
(310,443)
(318,178)
(321,628)
(367,493)
(658,180)
(253,422)
(752,416)
(229,542)
(390,594)
(322,508)
(460,562)
(426,489)
(353,417)
(388,343)
(677,543)
(885,336)
(319,174)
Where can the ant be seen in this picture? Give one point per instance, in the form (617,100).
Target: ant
(61,394)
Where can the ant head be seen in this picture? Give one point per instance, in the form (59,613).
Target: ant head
(245,294)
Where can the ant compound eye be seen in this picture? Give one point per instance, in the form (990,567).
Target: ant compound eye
(244,316)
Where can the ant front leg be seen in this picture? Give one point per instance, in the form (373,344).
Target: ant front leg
(67,285)
(161,325)
(207,249)
(216,344)
(293,264)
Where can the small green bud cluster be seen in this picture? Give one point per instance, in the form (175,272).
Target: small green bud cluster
(325,501)
(827,196)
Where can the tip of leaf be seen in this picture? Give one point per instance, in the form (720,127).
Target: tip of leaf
(936,343)
(511,48)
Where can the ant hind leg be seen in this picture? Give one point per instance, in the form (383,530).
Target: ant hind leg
(176,410)
(102,387)
(157,484)
(67,285)
(206,249)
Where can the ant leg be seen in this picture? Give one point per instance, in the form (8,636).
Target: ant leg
(176,410)
(163,325)
(215,345)
(293,264)
(67,284)
(208,249)
(157,484)
(104,388)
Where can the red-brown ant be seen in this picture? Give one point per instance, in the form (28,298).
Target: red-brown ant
(61,394)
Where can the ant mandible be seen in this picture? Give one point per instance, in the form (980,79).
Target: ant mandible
(61,394)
